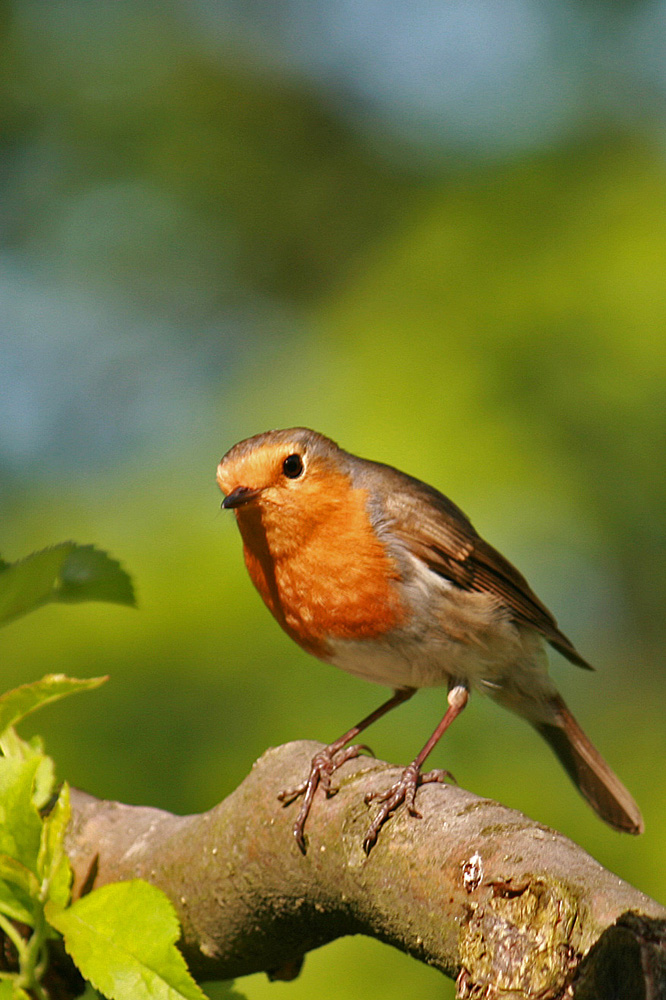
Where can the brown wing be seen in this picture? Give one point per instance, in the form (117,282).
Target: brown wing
(442,536)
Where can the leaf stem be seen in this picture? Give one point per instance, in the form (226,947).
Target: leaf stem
(8,928)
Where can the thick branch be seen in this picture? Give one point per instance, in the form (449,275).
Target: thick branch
(473,888)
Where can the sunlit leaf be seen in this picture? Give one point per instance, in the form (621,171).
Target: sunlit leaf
(9,991)
(16,704)
(53,866)
(12,746)
(20,823)
(122,938)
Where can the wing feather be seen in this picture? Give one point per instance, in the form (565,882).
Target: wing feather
(435,530)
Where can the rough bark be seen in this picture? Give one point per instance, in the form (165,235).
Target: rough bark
(486,895)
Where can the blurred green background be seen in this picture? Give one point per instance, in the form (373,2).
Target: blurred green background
(435,232)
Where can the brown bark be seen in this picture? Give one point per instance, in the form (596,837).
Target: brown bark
(481,892)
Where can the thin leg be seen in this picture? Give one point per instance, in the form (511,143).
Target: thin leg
(404,789)
(328,760)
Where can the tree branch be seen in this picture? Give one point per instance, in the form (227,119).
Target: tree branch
(475,889)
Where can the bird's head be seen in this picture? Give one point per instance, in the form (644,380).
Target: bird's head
(288,480)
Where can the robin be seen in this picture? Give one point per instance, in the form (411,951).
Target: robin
(380,574)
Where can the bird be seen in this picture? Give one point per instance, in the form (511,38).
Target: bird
(380,574)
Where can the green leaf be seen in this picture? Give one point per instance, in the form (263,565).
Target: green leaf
(20,822)
(12,746)
(122,938)
(9,991)
(19,890)
(66,572)
(20,835)
(16,704)
(88,574)
(13,871)
(53,868)
(29,583)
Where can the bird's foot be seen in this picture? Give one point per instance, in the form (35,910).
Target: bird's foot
(322,767)
(403,790)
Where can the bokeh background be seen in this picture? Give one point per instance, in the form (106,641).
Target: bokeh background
(435,231)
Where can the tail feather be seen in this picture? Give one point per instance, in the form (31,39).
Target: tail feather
(589,771)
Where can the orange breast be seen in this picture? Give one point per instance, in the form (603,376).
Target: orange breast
(334,582)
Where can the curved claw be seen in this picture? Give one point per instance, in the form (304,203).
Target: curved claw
(322,767)
(402,790)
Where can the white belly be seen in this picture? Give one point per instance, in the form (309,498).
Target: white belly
(379,663)
(466,638)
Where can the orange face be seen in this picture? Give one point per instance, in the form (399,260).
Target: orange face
(295,491)
(309,546)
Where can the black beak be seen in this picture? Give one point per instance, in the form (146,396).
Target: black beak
(241,495)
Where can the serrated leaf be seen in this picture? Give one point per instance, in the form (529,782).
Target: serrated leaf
(89,574)
(122,938)
(16,704)
(66,572)
(53,868)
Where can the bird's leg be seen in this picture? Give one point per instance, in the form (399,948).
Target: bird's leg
(404,789)
(327,761)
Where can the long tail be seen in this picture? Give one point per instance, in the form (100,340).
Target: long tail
(589,771)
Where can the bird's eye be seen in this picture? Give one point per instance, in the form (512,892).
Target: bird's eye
(292,466)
